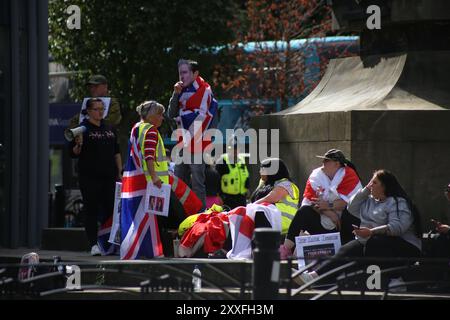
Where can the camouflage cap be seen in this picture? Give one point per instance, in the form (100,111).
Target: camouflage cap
(97,79)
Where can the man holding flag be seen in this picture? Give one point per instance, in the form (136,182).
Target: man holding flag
(194,107)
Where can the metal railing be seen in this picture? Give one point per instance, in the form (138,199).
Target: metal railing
(170,276)
(423,277)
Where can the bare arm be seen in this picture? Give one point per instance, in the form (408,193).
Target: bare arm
(339,205)
(274,196)
(365,232)
(76,146)
(322,205)
(443,228)
(151,169)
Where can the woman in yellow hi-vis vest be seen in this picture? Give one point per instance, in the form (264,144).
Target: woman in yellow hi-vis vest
(276,187)
(155,164)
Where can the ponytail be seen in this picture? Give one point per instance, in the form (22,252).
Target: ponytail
(350,164)
(394,189)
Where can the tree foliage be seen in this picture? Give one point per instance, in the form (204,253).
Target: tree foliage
(272,72)
(136,44)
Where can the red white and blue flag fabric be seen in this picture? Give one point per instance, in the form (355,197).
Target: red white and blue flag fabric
(106,248)
(242,226)
(139,230)
(197,110)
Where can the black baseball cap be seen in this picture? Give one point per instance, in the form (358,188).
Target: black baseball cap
(97,79)
(334,155)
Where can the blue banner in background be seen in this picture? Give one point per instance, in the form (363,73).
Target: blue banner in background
(59,117)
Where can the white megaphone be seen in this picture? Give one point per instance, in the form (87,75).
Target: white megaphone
(70,134)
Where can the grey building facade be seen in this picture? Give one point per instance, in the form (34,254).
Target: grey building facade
(24,164)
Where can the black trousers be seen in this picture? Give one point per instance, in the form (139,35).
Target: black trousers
(378,246)
(307,219)
(98,202)
(440,246)
(172,221)
(260,222)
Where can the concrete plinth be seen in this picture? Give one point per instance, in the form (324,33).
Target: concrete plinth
(414,145)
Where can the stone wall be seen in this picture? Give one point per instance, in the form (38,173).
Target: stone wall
(414,145)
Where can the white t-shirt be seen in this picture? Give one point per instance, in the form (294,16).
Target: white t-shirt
(287,185)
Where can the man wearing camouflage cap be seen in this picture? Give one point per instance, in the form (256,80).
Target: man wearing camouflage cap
(98,88)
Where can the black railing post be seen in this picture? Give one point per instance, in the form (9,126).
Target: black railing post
(289,279)
(243,281)
(266,264)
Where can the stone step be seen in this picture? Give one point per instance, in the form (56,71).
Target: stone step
(134,293)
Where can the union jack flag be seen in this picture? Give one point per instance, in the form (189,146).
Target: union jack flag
(103,234)
(139,230)
(197,110)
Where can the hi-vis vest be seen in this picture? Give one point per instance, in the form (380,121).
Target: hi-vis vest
(189,221)
(160,164)
(288,207)
(233,183)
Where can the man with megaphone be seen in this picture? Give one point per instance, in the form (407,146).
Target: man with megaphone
(99,167)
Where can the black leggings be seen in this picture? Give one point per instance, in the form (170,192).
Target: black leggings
(378,246)
(260,222)
(98,202)
(172,221)
(307,219)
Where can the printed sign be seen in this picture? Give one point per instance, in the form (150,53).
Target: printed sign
(114,236)
(310,248)
(157,200)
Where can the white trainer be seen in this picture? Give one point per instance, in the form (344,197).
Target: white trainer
(95,250)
